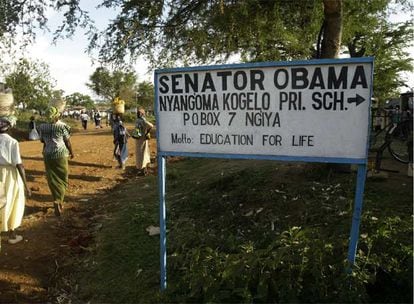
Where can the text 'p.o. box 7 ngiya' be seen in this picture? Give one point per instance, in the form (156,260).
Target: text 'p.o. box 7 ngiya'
(313,111)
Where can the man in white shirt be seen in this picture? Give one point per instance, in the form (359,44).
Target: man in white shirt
(84,119)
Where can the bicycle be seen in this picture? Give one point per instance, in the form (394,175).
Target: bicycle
(396,137)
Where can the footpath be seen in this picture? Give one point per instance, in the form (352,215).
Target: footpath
(28,269)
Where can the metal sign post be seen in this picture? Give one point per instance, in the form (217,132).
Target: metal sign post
(356,217)
(163,225)
(308,111)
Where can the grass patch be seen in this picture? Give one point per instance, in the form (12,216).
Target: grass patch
(124,267)
(255,231)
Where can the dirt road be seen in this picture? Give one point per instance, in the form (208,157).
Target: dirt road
(28,269)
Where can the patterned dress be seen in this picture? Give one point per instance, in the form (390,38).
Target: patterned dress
(55,156)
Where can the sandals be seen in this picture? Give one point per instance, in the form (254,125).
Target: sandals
(58,208)
(17,238)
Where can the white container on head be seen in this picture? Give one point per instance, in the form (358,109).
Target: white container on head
(6,104)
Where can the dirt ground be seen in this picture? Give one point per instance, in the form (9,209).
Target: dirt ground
(28,269)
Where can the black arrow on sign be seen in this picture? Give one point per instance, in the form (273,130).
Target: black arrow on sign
(358,99)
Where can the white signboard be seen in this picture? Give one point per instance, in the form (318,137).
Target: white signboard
(307,109)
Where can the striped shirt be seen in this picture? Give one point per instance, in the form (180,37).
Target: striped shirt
(53,136)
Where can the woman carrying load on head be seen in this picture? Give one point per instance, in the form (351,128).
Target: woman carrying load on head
(55,136)
(121,135)
(13,182)
(142,150)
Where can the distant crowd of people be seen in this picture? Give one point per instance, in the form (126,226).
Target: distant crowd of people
(57,149)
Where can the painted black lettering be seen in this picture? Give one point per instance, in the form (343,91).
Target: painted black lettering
(317,79)
(335,82)
(175,82)
(163,104)
(191,82)
(226,98)
(256,78)
(359,78)
(243,78)
(163,84)
(224,76)
(317,102)
(282,81)
(208,83)
(299,78)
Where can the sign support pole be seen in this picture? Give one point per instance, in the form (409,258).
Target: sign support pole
(356,218)
(163,237)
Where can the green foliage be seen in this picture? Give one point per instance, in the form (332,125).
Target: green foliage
(181,32)
(12,20)
(124,266)
(368,32)
(110,85)
(255,232)
(145,95)
(294,267)
(20,21)
(197,32)
(31,83)
(209,31)
(232,240)
(78,99)
(129,117)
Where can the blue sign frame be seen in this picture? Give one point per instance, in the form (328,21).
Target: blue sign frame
(361,162)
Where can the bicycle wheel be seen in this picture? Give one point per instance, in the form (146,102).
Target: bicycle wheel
(400,139)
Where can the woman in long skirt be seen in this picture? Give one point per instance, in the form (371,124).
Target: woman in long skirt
(13,182)
(55,137)
(142,149)
(121,135)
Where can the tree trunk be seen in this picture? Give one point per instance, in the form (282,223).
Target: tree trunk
(331,44)
(332,32)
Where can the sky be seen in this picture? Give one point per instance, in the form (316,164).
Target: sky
(68,62)
(71,67)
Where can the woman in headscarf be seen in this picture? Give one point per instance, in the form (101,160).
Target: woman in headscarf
(12,182)
(142,150)
(55,136)
(120,141)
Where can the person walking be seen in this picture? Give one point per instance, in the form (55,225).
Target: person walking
(84,119)
(97,118)
(55,136)
(142,150)
(33,134)
(13,184)
(120,141)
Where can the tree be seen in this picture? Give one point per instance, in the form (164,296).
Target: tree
(31,83)
(332,29)
(78,99)
(209,31)
(202,32)
(20,19)
(110,85)
(145,95)
(368,32)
